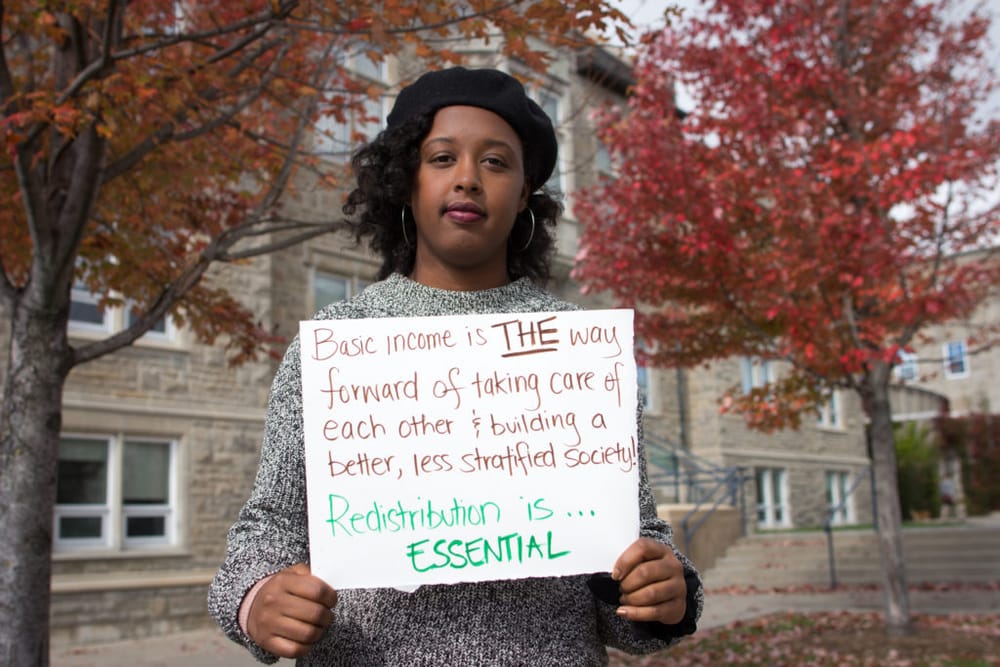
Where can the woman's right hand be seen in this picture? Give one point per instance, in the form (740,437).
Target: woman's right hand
(291,611)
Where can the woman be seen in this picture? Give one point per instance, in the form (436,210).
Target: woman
(447,196)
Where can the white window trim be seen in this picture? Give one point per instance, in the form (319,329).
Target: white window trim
(647,391)
(906,366)
(116,319)
(948,374)
(114,512)
(560,174)
(170,334)
(85,296)
(755,373)
(354,285)
(837,482)
(831,413)
(765,499)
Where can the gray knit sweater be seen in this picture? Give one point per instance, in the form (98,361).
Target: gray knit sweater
(536,621)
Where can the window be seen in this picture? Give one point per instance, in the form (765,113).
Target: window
(115,493)
(754,373)
(549,102)
(838,498)
(829,412)
(956,360)
(642,377)
(644,380)
(342,137)
(906,367)
(85,314)
(602,160)
(363,64)
(329,288)
(772,498)
(162,330)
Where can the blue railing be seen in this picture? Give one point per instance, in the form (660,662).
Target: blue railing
(834,511)
(686,477)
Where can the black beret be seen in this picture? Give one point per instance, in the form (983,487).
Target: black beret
(488,89)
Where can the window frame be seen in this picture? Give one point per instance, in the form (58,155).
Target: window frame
(906,367)
(558,177)
(114,512)
(353,285)
(644,379)
(168,335)
(766,483)
(948,361)
(118,318)
(755,373)
(831,413)
(835,494)
(81,295)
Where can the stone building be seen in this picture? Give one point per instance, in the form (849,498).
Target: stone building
(161,439)
(952,370)
(954,360)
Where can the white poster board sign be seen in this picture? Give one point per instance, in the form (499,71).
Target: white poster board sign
(469,448)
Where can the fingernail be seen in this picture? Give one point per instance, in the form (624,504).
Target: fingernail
(616,574)
(621,612)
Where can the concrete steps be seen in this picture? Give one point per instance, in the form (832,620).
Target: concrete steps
(967,553)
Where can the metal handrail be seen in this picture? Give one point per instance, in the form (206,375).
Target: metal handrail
(734,479)
(828,523)
(703,480)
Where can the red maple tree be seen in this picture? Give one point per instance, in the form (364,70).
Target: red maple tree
(146,141)
(816,207)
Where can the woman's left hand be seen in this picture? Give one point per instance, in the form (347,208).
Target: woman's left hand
(651,581)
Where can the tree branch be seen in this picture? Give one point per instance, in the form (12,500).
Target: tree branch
(315,27)
(217,250)
(168,297)
(168,132)
(319,230)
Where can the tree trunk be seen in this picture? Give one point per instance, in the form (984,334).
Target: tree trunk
(875,396)
(30,421)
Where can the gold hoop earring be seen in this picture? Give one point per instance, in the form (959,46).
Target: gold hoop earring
(402,220)
(531,236)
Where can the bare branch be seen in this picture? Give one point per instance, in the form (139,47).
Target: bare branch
(168,132)
(218,249)
(108,57)
(170,295)
(319,230)
(315,27)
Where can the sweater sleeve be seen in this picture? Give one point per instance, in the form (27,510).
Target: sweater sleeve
(634,637)
(271,531)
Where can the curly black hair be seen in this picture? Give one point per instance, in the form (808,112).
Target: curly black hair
(385,169)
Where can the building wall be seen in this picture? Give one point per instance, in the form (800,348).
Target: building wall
(806,453)
(182,391)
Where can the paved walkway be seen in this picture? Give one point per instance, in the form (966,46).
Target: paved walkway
(209,648)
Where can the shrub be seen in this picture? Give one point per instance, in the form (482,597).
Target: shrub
(917,465)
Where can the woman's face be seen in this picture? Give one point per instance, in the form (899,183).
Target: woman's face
(467,191)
